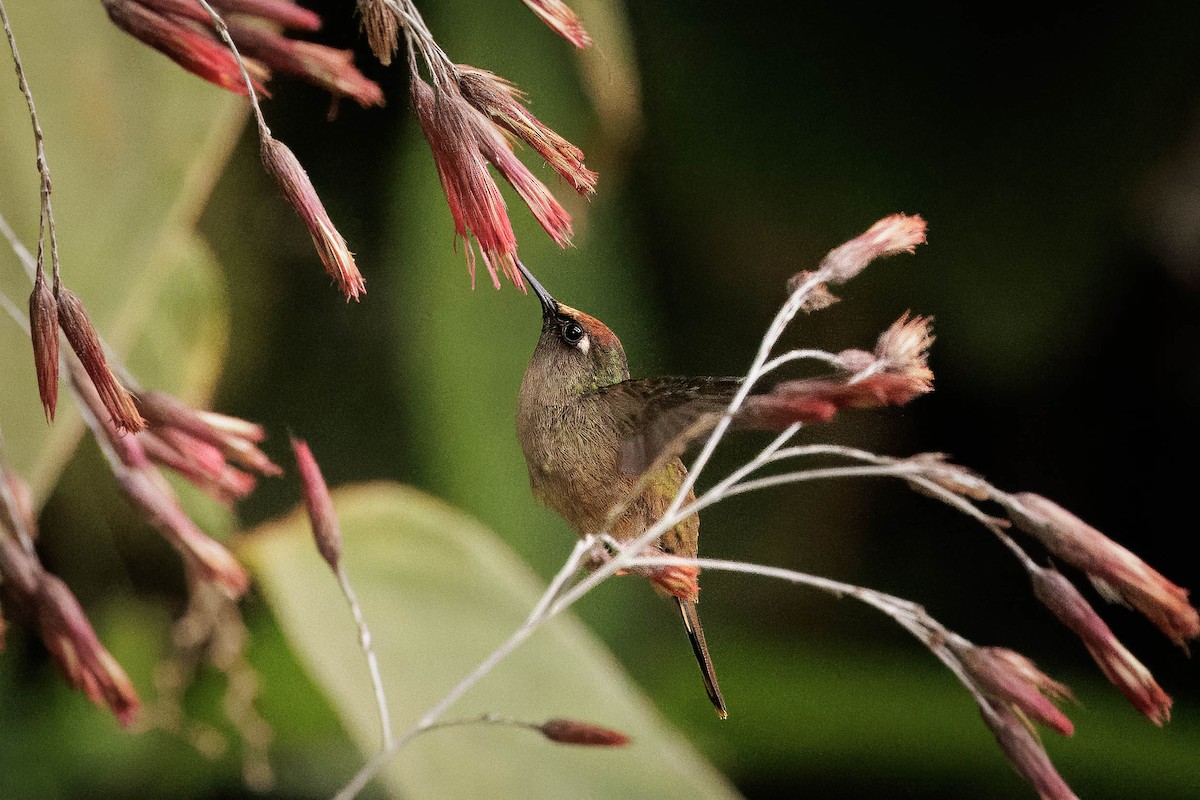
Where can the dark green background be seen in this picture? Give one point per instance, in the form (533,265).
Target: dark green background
(1039,143)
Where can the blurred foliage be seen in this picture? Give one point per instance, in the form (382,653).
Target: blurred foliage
(442,592)
(133,163)
(1041,144)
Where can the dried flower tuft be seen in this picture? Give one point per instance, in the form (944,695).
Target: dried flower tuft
(937,467)
(293,181)
(475,202)
(819,399)
(904,349)
(191,47)
(78,652)
(504,104)
(183,31)
(326,67)
(898,233)
(1011,679)
(1115,570)
(1026,753)
(570,731)
(43,328)
(817,297)
(379,21)
(1118,665)
(150,494)
(327,532)
(82,337)
(562,20)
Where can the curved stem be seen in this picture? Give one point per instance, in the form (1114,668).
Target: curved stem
(46,209)
(223,32)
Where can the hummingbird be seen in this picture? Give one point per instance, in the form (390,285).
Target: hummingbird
(588,431)
(603,449)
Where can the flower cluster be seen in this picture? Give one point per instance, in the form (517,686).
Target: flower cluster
(182,30)
(60,621)
(468,116)
(1116,572)
(56,310)
(183,440)
(465,116)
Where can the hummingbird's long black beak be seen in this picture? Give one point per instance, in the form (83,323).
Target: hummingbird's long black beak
(549,304)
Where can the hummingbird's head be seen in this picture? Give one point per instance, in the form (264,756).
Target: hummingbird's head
(575,348)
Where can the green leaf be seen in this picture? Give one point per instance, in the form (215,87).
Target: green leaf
(134,144)
(440,592)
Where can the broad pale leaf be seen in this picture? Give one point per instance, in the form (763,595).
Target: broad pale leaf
(440,592)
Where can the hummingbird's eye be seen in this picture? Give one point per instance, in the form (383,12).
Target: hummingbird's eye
(572,332)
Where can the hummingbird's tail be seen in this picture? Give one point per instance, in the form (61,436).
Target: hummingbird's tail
(691,621)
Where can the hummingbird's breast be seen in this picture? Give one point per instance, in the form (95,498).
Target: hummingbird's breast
(572,451)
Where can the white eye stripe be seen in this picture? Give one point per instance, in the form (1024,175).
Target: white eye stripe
(585,344)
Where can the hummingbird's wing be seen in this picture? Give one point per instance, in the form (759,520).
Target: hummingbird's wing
(656,417)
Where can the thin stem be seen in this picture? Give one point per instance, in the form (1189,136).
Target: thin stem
(441,68)
(782,318)
(27,261)
(223,32)
(554,600)
(46,210)
(569,568)
(909,615)
(799,355)
(801,476)
(364,640)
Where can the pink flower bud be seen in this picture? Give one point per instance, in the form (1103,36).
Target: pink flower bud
(891,235)
(562,20)
(236,439)
(475,203)
(195,49)
(549,213)
(83,340)
(298,190)
(284,12)
(77,651)
(1118,665)
(1011,679)
(19,571)
(199,462)
(327,532)
(43,327)
(326,67)
(1113,569)
(150,494)
(570,731)
(504,104)
(1026,753)
(184,31)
